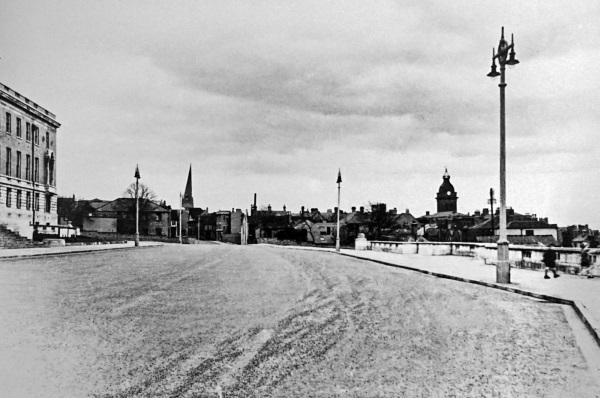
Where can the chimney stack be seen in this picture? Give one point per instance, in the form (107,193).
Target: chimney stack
(353,209)
(269,208)
(362,209)
(283,207)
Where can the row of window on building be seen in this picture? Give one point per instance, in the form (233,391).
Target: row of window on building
(31,130)
(48,171)
(28,204)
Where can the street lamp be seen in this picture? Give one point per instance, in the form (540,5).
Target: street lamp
(180,218)
(137,207)
(337,238)
(503,267)
(491,201)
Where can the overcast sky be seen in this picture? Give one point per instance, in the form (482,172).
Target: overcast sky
(273,97)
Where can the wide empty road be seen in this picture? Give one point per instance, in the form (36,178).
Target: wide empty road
(255,321)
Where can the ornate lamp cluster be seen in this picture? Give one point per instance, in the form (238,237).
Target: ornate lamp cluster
(503,48)
(504,58)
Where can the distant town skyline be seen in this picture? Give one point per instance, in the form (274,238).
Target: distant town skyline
(273,98)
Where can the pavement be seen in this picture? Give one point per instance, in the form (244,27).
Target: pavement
(62,250)
(581,293)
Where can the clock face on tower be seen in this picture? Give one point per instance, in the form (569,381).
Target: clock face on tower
(448,193)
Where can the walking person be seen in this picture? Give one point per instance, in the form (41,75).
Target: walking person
(550,262)
(585,261)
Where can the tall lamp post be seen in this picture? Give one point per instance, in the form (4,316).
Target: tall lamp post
(504,58)
(337,238)
(137,207)
(491,201)
(180,218)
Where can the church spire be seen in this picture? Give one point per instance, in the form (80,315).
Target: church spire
(188,199)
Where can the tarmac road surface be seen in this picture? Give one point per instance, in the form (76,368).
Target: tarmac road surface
(255,321)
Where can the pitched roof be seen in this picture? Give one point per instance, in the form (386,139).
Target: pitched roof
(97,203)
(125,204)
(531,240)
(355,218)
(445,214)
(529,224)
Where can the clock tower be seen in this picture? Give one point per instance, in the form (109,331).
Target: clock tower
(446,197)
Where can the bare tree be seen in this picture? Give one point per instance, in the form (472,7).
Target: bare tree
(306,222)
(145,195)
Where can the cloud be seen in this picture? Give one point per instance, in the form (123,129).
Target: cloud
(252,93)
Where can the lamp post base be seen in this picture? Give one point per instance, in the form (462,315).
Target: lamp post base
(503,266)
(337,245)
(137,239)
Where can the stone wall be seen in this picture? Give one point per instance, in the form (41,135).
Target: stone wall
(131,237)
(568,259)
(232,238)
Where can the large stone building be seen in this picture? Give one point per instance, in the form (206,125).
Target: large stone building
(28,143)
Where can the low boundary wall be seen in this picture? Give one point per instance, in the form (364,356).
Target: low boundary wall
(568,259)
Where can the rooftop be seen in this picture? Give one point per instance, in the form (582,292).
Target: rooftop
(27,105)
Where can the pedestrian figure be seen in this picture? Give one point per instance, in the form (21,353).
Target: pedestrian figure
(585,261)
(550,262)
(585,256)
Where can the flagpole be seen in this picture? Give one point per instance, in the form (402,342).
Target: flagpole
(337,239)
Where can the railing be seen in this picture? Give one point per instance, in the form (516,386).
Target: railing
(568,259)
(62,231)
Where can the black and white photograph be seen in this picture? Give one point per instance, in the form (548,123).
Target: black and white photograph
(225,198)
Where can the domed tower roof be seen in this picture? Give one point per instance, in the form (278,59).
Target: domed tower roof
(446,184)
(447,198)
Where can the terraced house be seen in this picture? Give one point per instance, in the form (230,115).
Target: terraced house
(27,164)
